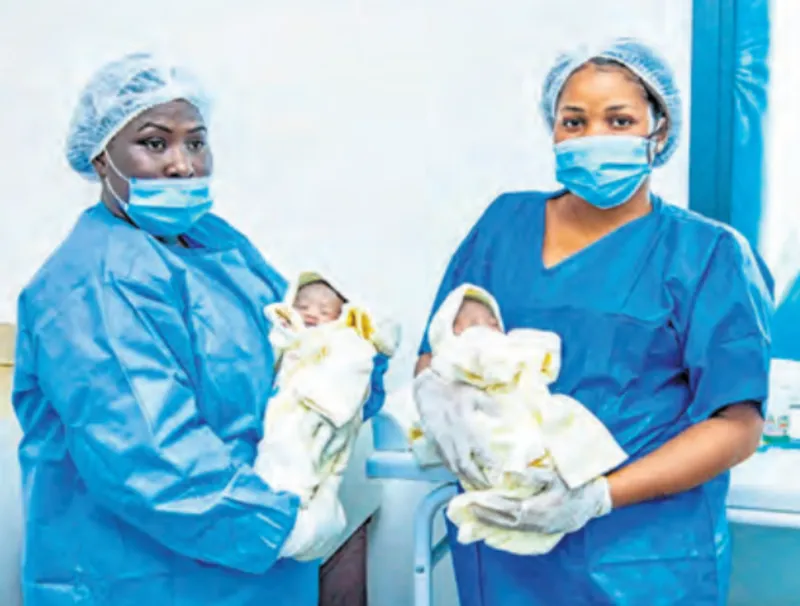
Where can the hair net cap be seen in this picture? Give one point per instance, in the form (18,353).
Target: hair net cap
(116,94)
(643,61)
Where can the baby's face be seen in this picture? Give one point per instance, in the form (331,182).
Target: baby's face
(317,304)
(474,313)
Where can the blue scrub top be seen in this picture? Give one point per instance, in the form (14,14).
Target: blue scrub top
(663,322)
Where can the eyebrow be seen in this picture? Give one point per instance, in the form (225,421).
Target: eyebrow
(153,125)
(166,129)
(610,108)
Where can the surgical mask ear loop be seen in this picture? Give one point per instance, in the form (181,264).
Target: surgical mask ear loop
(652,138)
(113,166)
(120,202)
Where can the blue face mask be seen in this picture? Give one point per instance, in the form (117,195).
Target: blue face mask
(604,170)
(165,208)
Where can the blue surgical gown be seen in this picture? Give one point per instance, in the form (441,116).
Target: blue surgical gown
(142,376)
(664,322)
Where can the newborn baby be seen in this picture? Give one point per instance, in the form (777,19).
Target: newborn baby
(324,349)
(474,312)
(532,428)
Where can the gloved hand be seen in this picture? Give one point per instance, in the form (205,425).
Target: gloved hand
(536,479)
(319,525)
(555,510)
(444,408)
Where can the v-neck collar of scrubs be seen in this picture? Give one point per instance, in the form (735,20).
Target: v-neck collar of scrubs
(603,241)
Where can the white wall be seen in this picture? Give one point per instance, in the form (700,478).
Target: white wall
(368,134)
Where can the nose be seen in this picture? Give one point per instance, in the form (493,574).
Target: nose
(180,165)
(596,127)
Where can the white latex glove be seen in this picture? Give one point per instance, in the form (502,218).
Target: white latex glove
(444,409)
(535,479)
(555,510)
(318,526)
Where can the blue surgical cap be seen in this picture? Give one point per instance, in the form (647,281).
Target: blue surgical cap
(116,94)
(644,62)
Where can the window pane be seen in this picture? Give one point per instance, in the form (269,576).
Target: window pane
(780,233)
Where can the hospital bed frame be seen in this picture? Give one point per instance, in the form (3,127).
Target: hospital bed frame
(393,461)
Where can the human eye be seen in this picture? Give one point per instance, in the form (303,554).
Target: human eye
(572,122)
(621,122)
(196,146)
(154,144)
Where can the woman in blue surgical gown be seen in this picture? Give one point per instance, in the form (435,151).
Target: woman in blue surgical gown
(664,317)
(143,371)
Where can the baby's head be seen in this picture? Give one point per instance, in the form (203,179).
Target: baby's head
(318,303)
(474,313)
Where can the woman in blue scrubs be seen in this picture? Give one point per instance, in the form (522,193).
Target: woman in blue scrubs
(664,317)
(143,371)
